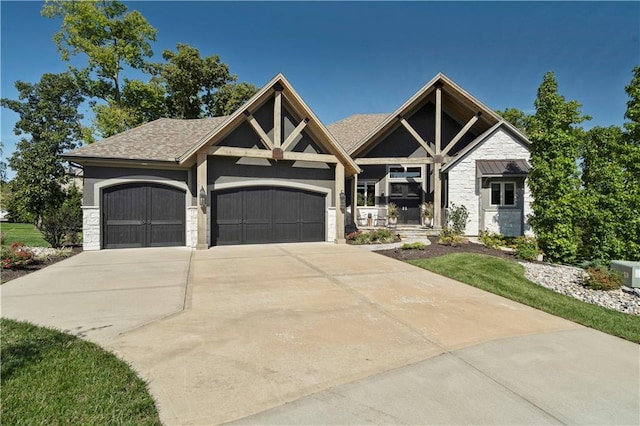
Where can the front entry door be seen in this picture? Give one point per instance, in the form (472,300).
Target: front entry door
(407,196)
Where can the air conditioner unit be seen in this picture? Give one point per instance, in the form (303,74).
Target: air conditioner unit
(629,271)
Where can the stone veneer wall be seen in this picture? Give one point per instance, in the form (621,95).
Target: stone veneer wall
(464,187)
(331,224)
(192,226)
(90,228)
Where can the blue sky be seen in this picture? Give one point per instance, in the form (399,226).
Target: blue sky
(369,57)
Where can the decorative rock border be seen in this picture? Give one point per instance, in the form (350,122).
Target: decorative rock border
(568,280)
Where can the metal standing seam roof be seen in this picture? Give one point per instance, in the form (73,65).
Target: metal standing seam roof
(503,167)
(164,139)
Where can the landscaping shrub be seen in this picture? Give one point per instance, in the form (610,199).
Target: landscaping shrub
(527,248)
(418,245)
(602,279)
(15,256)
(54,228)
(450,238)
(458,217)
(378,236)
(493,240)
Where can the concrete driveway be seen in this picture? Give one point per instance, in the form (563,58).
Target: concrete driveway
(329,334)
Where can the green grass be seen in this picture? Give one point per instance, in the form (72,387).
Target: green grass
(22,233)
(506,278)
(54,378)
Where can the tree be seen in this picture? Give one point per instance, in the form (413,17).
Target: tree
(554,178)
(606,208)
(193,83)
(107,34)
(48,112)
(229,98)
(111,38)
(518,118)
(630,159)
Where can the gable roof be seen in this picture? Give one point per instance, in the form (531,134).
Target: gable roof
(294,100)
(465,102)
(164,139)
(349,131)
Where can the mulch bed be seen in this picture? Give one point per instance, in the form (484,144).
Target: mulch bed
(435,250)
(12,274)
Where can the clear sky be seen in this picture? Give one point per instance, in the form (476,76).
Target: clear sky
(345,58)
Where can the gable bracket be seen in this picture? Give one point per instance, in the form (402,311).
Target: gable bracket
(461,133)
(266,140)
(416,136)
(296,132)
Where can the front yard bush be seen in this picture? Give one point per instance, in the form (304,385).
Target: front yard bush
(15,256)
(377,236)
(448,237)
(527,248)
(493,240)
(602,279)
(457,218)
(418,245)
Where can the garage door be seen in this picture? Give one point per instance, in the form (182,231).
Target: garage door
(267,215)
(143,215)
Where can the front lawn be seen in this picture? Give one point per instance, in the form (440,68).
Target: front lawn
(506,278)
(54,378)
(23,233)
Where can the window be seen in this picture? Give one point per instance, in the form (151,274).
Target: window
(503,194)
(366,194)
(401,172)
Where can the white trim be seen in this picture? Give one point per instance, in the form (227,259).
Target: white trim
(502,191)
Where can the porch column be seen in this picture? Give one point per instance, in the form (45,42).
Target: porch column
(339,179)
(437,163)
(354,199)
(202,209)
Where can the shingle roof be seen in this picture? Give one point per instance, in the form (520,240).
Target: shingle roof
(349,131)
(164,139)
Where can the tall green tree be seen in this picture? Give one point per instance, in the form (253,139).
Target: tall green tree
(517,117)
(50,122)
(112,38)
(229,98)
(630,159)
(605,210)
(198,86)
(554,178)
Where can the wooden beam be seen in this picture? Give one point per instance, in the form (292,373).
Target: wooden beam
(461,133)
(438,119)
(417,137)
(260,131)
(201,182)
(294,134)
(228,151)
(393,160)
(437,183)
(277,119)
(339,188)
(354,199)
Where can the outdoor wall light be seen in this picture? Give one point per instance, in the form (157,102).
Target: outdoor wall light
(343,200)
(203,197)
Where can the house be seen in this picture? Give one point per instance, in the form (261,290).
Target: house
(272,172)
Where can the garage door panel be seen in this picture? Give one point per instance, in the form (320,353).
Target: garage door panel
(143,215)
(267,214)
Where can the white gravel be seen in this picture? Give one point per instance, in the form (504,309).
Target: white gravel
(567,280)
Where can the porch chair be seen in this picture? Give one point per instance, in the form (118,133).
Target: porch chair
(381,217)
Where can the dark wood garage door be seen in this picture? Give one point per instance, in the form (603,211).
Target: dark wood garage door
(143,215)
(267,215)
